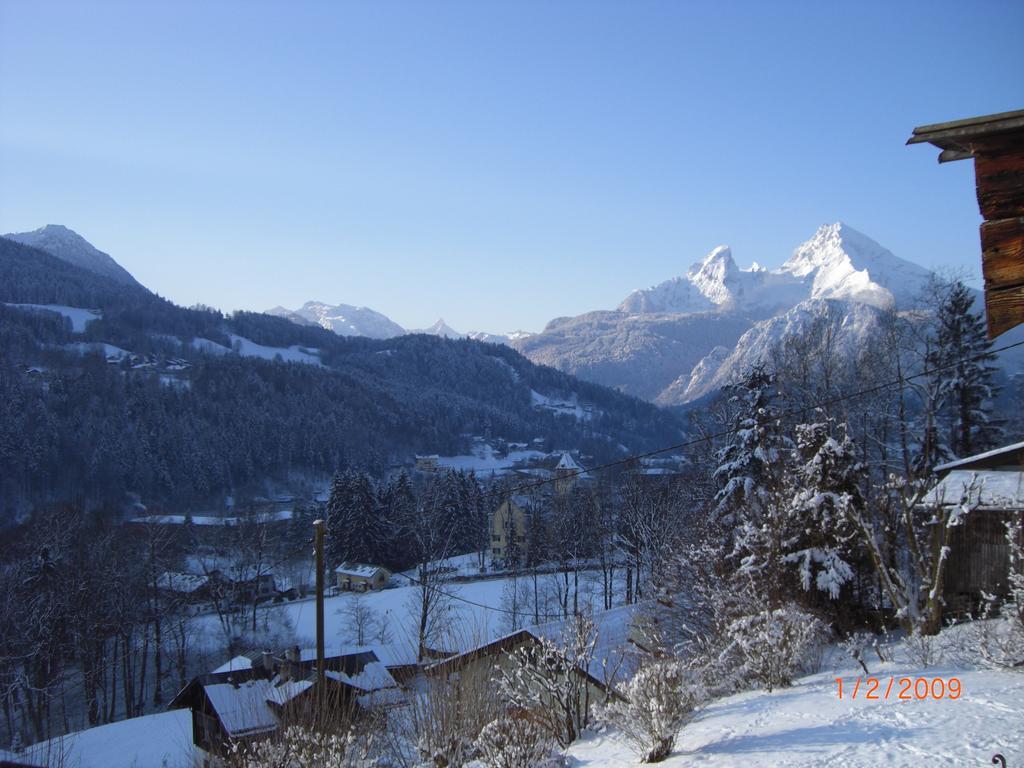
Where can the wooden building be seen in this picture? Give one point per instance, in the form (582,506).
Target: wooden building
(991,485)
(996,144)
(360,577)
(242,704)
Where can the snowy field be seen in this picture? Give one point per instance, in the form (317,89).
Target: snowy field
(162,740)
(247,348)
(79,317)
(808,725)
(483,460)
(472,612)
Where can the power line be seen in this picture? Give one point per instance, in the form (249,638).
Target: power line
(786,413)
(707,438)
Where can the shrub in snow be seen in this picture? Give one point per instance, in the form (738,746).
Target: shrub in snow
(660,699)
(859,644)
(772,646)
(301,747)
(514,740)
(924,650)
(547,679)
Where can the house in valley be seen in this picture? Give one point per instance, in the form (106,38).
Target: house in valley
(510,525)
(257,694)
(361,577)
(991,486)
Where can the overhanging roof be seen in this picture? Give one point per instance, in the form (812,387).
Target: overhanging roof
(1012,448)
(956,138)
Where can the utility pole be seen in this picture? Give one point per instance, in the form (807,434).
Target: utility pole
(321,677)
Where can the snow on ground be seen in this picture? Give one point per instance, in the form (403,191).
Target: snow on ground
(79,317)
(561,407)
(162,740)
(107,350)
(473,614)
(808,725)
(210,347)
(483,460)
(247,348)
(292,354)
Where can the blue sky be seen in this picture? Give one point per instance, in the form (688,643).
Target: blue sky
(499,164)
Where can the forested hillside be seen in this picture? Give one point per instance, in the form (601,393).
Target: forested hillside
(134,404)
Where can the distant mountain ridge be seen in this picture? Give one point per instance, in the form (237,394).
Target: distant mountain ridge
(343,319)
(67,245)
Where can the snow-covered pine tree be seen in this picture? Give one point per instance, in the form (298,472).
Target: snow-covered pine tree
(960,354)
(818,536)
(754,482)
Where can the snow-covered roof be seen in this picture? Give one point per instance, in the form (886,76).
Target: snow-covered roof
(983,489)
(185,583)
(285,692)
(234,665)
(567,462)
(980,457)
(390,655)
(362,570)
(373,677)
(612,651)
(243,709)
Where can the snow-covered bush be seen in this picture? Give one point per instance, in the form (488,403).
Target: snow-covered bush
(771,646)
(924,650)
(514,740)
(549,680)
(446,717)
(857,646)
(659,700)
(301,747)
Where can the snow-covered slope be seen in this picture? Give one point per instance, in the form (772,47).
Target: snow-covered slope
(852,323)
(67,245)
(809,725)
(343,319)
(78,316)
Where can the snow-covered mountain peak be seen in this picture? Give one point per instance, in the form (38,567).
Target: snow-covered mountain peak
(441,328)
(67,245)
(716,276)
(840,262)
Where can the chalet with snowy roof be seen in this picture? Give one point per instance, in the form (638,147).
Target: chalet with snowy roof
(254,695)
(361,577)
(991,485)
